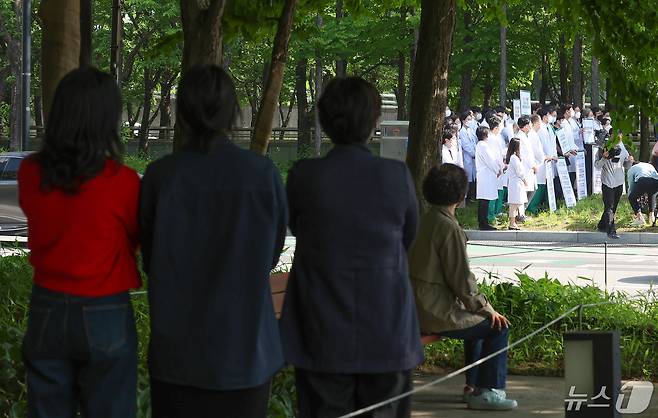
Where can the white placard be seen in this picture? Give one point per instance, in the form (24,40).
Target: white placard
(562,139)
(565,182)
(588,130)
(596,172)
(516,104)
(550,186)
(526,106)
(581,176)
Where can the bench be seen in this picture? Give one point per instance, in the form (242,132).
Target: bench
(279,282)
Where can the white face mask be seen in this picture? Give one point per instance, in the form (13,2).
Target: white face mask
(478,116)
(448,112)
(577,115)
(551,119)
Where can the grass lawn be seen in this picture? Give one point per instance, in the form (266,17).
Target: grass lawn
(583,217)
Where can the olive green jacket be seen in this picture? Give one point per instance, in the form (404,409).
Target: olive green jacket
(447,295)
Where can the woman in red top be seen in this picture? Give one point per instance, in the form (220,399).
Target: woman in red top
(80,348)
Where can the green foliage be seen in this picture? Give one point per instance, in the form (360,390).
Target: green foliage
(529,303)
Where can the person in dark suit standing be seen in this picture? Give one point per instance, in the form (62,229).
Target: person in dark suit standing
(213,222)
(349,323)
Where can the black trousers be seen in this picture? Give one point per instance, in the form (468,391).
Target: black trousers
(330,395)
(611,198)
(169,400)
(483,213)
(643,185)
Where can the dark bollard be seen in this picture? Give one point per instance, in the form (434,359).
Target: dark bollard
(592,375)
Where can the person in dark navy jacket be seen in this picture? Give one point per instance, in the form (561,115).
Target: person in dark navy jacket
(213,222)
(349,321)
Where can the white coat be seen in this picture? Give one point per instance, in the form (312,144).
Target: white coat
(468,141)
(515,188)
(449,155)
(568,133)
(548,142)
(501,149)
(488,167)
(528,160)
(538,151)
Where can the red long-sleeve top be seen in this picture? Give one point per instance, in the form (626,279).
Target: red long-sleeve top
(83,244)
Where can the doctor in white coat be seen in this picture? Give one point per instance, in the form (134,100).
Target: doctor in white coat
(528,159)
(540,195)
(489,168)
(449,154)
(468,140)
(496,140)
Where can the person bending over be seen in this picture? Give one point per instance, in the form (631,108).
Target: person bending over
(642,179)
(447,297)
(611,163)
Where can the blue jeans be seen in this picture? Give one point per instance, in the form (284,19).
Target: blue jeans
(80,353)
(480,341)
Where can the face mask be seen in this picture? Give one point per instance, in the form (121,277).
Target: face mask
(478,116)
(577,115)
(448,113)
(551,119)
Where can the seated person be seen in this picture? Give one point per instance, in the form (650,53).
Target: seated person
(447,297)
(642,179)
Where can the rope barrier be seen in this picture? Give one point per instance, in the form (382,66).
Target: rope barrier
(475,364)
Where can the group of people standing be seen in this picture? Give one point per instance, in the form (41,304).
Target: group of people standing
(210,222)
(505,160)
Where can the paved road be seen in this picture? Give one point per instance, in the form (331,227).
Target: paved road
(629,268)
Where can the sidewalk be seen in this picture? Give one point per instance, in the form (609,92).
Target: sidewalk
(562,236)
(537,396)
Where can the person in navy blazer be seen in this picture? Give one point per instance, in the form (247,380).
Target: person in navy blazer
(349,322)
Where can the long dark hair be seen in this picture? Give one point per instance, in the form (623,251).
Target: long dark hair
(207,106)
(82,131)
(513,148)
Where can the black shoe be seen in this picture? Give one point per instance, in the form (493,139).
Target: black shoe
(488,228)
(513,228)
(613,235)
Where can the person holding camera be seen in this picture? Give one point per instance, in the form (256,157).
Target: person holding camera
(642,180)
(611,159)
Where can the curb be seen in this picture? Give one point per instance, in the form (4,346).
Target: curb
(563,236)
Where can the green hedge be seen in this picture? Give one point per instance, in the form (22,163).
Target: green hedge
(528,304)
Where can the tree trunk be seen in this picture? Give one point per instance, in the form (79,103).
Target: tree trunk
(165,110)
(577,81)
(265,117)
(467,72)
(37,111)
(13,50)
(86,23)
(202,32)
(15,115)
(60,44)
(150,81)
(595,83)
(303,122)
(543,89)
(487,91)
(564,72)
(412,64)
(430,86)
(608,86)
(645,149)
(502,93)
(317,131)
(341,64)
(401,90)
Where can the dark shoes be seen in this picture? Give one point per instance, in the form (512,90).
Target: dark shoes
(488,228)
(514,228)
(613,235)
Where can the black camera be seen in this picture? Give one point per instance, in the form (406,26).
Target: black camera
(601,136)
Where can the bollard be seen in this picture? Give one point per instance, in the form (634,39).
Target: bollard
(592,374)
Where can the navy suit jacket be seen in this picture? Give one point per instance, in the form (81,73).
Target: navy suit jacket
(212,227)
(349,306)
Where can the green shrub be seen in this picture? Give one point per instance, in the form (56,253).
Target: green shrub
(530,303)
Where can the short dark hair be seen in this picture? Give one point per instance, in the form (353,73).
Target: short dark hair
(445,185)
(447,134)
(349,109)
(465,114)
(482,132)
(206,106)
(543,112)
(82,130)
(523,121)
(494,122)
